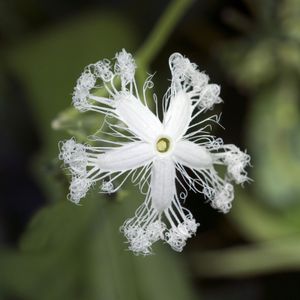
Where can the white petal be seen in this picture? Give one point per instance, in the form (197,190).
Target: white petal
(209,96)
(181,67)
(78,188)
(192,155)
(125,66)
(163,186)
(236,161)
(178,116)
(129,156)
(223,199)
(139,118)
(103,70)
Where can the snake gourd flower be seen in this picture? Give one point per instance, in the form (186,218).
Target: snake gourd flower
(156,155)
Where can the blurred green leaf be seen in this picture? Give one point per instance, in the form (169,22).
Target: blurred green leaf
(251,63)
(270,46)
(274,125)
(258,222)
(266,61)
(251,260)
(49,64)
(290,15)
(71,252)
(77,252)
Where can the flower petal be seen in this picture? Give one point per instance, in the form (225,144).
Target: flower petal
(130,156)
(125,67)
(138,117)
(236,162)
(209,96)
(178,116)
(192,155)
(163,186)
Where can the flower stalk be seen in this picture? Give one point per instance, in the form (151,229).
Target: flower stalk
(162,30)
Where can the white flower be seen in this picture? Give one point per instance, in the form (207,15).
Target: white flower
(155,155)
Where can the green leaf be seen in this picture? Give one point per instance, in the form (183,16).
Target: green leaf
(251,260)
(49,64)
(274,124)
(78,252)
(252,62)
(257,222)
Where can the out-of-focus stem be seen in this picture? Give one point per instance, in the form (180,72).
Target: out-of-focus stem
(145,54)
(161,31)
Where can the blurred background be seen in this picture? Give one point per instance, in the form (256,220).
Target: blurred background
(51,249)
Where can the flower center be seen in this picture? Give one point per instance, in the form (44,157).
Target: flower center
(163,145)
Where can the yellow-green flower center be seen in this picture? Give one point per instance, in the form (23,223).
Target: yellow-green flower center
(163,145)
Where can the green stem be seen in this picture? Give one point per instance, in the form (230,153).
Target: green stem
(161,31)
(147,51)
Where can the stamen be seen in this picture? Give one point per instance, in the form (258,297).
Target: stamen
(163,145)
